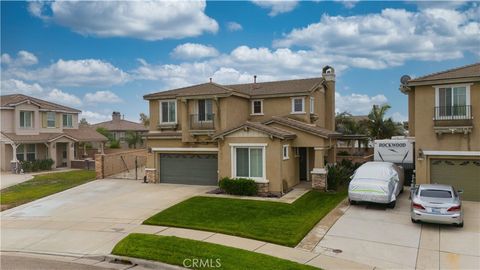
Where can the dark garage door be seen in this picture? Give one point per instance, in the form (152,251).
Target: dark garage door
(462,174)
(190,169)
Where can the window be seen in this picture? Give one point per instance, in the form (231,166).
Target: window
(249,162)
(31,152)
(298,105)
(285,152)
(205,110)
(312,105)
(452,101)
(168,112)
(20,153)
(51,119)
(26,119)
(26,152)
(68,120)
(257,107)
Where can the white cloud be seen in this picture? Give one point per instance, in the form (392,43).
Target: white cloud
(12,86)
(398,117)
(58,96)
(148,20)
(276,6)
(23,58)
(94,117)
(73,73)
(234,26)
(391,37)
(194,51)
(357,104)
(102,97)
(348,3)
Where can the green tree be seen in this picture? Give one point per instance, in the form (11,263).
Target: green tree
(346,124)
(83,122)
(144,119)
(105,133)
(380,127)
(133,139)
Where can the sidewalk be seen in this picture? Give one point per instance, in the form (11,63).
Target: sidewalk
(313,258)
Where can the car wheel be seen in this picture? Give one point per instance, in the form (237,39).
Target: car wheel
(460,225)
(392,204)
(352,202)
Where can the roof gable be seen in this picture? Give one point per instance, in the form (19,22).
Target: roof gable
(17,99)
(259,127)
(468,71)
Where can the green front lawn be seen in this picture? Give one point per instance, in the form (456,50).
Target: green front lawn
(280,223)
(183,252)
(43,185)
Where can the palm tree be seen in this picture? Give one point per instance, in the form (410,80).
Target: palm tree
(133,138)
(380,127)
(346,124)
(144,119)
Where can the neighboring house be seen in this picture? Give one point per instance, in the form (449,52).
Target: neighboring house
(33,129)
(120,127)
(277,133)
(444,118)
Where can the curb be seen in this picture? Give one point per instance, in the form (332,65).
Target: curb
(141,262)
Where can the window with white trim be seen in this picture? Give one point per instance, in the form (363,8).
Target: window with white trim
(205,110)
(67,120)
(285,152)
(312,105)
(257,107)
(168,112)
(298,105)
(249,162)
(31,152)
(51,119)
(452,102)
(26,152)
(26,119)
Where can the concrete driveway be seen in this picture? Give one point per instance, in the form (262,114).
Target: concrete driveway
(386,238)
(89,219)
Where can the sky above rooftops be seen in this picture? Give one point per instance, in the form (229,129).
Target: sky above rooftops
(104,56)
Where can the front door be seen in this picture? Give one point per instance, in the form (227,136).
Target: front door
(302,152)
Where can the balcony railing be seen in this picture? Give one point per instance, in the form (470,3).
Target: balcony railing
(453,115)
(202,121)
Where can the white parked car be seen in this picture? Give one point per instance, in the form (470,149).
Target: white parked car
(378,182)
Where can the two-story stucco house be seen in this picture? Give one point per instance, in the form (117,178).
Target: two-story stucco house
(277,133)
(33,129)
(444,118)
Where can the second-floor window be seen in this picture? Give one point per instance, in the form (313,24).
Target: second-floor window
(67,120)
(51,119)
(168,112)
(312,105)
(26,119)
(205,110)
(257,107)
(452,102)
(298,105)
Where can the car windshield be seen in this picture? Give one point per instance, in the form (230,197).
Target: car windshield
(435,193)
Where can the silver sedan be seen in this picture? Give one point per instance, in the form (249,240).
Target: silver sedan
(436,203)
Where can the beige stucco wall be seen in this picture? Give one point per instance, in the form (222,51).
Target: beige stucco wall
(7,121)
(281,106)
(425,137)
(290,168)
(234,111)
(36,119)
(6,156)
(304,139)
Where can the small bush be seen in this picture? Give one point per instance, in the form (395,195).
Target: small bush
(36,165)
(339,174)
(238,186)
(114,144)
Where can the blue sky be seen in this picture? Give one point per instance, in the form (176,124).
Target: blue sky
(104,56)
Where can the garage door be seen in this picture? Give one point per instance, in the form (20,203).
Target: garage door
(190,169)
(462,174)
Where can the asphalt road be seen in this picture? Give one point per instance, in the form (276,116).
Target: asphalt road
(9,262)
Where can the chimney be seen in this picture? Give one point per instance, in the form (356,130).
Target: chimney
(254,78)
(328,74)
(116,116)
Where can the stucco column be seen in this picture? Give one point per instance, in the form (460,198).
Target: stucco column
(184,120)
(70,153)
(52,153)
(319,173)
(14,161)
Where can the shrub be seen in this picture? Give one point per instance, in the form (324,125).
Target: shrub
(36,165)
(238,186)
(339,174)
(343,153)
(114,144)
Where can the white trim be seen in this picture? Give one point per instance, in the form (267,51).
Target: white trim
(287,156)
(253,107)
(452,153)
(54,119)
(312,104)
(233,160)
(184,149)
(319,171)
(248,144)
(293,105)
(161,116)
